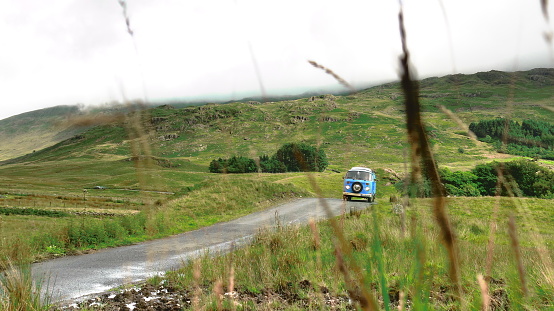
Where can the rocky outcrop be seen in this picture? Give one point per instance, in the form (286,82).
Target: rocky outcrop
(157,120)
(328,97)
(298,119)
(167,137)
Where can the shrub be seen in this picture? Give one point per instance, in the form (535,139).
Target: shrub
(459,183)
(530,138)
(134,224)
(522,177)
(525,178)
(290,157)
(87,234)
(233,165)
(31,211)
(302,158)
(114,230)
(271,165)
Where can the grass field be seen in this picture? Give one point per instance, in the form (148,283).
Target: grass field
(153,165)
(297,268)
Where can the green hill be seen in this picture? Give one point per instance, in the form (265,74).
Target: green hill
(365,128)
(155,160)
(35,130)
(134,175)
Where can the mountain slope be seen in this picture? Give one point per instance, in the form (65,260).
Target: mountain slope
(365,128)
(35,130)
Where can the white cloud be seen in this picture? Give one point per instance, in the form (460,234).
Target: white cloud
(67,52)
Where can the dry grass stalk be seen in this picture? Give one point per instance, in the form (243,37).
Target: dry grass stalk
(421,153)
(544,6)
(512,230)
(536,238)
(123,5)
(354,292)
(315,233)
(333,74)
(485,296)
(257,70)
(232,279)
(401,301)
(316,244)
(196,274)
(218,293)
(458,121)
(231,288)
(92,120)
(493,227)
(137,131)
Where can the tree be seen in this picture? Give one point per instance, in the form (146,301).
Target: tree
(271,164)
(459,183)
(486,178)
(301,157)
(233,165)
(216,166)
(241,165)
(290,157)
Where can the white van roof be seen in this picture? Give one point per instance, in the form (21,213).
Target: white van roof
(360,168)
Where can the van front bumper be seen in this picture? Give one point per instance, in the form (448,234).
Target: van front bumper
(360,195)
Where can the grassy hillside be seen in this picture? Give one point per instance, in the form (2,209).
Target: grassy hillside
(144,175)
(35,130)
(158,158)
(401,265)
(345,126)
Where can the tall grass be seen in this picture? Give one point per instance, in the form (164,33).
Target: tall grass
(301,268)
(18,290)
(214,201)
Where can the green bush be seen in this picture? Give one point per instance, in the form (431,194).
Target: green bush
(523,178)
(529,138)
(459,183)
(271,165)
(415,190)
(291,157)
(134,224)
(31,211)
(114,230)
(233,165)
(86,234)
(301,157)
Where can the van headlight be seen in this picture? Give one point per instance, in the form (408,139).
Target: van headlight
(347,187)
(366,188)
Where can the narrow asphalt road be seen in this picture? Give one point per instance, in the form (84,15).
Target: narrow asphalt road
(76,276)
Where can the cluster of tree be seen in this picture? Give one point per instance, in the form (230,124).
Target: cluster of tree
(291,157)
(522,178)
(530,138)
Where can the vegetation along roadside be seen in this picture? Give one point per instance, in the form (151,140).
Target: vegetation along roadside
(153,167)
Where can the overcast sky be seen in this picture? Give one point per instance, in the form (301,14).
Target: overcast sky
(64,52)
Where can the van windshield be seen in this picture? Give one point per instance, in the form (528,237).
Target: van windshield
(358,175)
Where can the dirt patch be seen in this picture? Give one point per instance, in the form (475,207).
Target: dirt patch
(497,156)
(143,297)
(167,298)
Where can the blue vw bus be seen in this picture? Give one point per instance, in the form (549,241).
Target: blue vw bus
(359,182)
